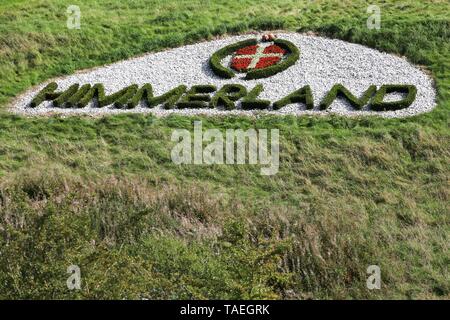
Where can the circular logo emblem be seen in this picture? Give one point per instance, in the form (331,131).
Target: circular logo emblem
(256,58)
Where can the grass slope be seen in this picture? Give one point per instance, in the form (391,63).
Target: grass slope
(103,193)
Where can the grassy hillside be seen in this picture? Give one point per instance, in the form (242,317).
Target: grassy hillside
(103,193)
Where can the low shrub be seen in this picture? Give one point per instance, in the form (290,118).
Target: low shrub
(227,96)
(168,99)
(97,91)
(339,90)
(378,103)
(143,93)
(122,102)
(106,100)
(74,99)
(303,95)
(197,97)
(48,93)
(250,102)
(63,97)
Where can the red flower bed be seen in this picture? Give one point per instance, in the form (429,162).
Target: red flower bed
(267,62)
(250,57)
(240,64)
(247,50)
(274,49)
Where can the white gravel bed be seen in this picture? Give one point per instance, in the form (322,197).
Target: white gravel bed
(323,62)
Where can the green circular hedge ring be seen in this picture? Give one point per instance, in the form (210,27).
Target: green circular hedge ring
(257,61)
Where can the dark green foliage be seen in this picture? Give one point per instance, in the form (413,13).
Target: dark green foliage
(72,102)
(202,88)
(251,103)
(339,90)
(197,97)
(227,95)
(215,62)
(76,96)
(106,100)
(122,101)
(170,98)
(293,55)
(379,105)
(303,95)
(144,93)
(167,99)
(96,91)
(47,93)
(63,97)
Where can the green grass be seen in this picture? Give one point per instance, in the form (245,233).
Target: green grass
(103,193)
